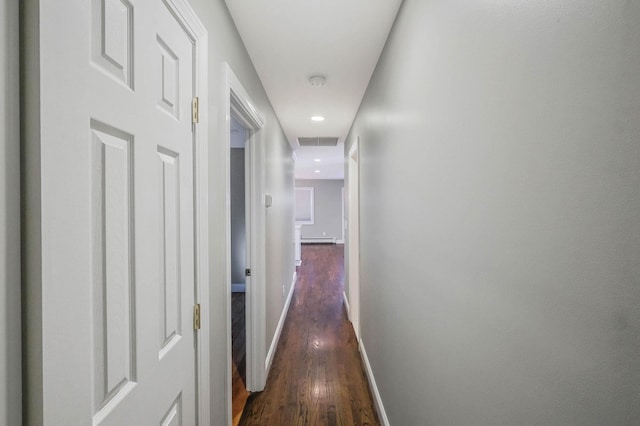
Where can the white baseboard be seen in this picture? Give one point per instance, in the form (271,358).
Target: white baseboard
(318,240)
(283,317)
(339,241)
(238,288)
(374,388)
(346,305)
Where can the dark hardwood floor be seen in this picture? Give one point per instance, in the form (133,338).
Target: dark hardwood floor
(238,356)
(238,334)
(317,377)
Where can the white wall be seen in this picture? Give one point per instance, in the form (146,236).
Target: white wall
(327,206)
(10,350)
(500,197)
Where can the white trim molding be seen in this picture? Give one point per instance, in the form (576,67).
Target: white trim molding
(377,399)
(238,288)
(346,305)
(318,240)
(198,34)
(237,102)
(283,317)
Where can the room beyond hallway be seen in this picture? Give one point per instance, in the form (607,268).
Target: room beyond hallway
(317,377)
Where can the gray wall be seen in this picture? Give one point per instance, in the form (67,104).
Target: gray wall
(500,191)
(238,220)
(280,230)
(10,353)
(328,208)
(32,385)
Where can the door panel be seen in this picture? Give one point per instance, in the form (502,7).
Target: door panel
(118,214)
(170,307)
(112,39)
(113,266)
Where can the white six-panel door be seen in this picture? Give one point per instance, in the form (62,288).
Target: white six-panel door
(117,214)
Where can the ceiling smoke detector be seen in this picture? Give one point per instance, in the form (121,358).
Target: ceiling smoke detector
(317,80)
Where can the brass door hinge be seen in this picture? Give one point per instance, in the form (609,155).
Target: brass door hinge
(195,110)
(196,316)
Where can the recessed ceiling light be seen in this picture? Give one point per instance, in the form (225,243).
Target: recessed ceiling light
(317,160)
(316,171)
(317,118)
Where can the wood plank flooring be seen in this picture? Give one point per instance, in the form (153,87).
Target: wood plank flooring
(317,377)
(238,356)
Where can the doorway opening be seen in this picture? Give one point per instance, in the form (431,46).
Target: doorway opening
(245,256)
(240,241)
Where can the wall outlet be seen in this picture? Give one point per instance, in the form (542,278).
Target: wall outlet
(324,234)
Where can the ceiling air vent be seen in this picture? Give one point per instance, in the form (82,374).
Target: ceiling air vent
(318,141)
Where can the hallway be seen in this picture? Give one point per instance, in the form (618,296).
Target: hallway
(317,376)
(495,149)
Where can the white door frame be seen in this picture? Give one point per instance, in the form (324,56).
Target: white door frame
(353,240)
(343,218)
(238,103)
(198,34)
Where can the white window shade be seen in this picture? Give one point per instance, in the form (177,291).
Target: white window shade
(304,205)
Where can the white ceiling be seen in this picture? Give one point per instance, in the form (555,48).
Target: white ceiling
(291,40)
